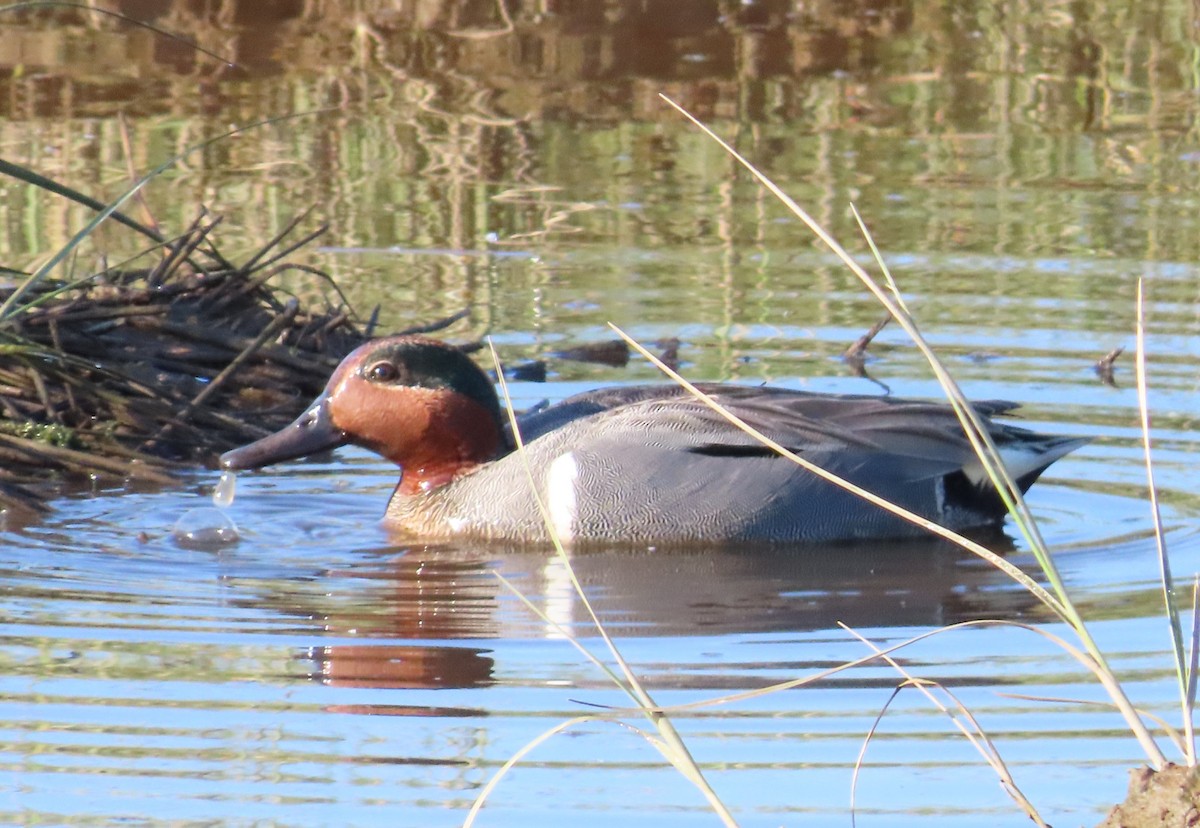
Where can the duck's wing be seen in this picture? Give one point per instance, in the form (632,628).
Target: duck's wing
(853,437)
(925,439)
(780,405)
(914,429)
(675,468)
(926,435)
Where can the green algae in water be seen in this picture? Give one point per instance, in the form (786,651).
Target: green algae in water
(53,434)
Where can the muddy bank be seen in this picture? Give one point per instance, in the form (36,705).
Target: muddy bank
(1167,797)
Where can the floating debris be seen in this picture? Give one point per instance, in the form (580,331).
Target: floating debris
(669,354)
(614,352)
(1104,366)
(856,354)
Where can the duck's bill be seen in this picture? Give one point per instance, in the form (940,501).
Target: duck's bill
(311,432)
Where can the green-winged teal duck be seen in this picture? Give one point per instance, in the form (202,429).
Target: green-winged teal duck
(647,464)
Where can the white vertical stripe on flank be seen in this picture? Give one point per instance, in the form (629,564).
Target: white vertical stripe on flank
(560,495)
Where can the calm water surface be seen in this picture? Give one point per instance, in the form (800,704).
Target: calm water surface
(1019,177)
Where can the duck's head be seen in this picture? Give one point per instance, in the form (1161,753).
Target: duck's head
(418,402)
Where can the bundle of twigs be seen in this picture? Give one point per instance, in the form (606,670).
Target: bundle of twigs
(134,374)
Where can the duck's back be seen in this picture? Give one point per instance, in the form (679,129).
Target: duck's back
(652,465)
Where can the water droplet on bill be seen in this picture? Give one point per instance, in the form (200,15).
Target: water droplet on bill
(226,488)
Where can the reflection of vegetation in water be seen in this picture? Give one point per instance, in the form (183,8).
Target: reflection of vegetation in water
(957,108)
(973,129)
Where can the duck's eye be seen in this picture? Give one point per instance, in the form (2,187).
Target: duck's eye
(381,372)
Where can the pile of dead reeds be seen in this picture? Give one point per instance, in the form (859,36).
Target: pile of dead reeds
(135,373)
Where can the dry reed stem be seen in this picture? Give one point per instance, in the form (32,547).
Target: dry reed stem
(168,366)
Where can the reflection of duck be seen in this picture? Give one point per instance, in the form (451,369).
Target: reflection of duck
(418,619)
(400,665)
(647,464)
(760,589)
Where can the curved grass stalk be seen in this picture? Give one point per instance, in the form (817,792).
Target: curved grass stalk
(512,762)
(1084,658)
(974,734)
(982,551)
(975,432)
(988,751)
(862,752)
(980,441)
(672,746)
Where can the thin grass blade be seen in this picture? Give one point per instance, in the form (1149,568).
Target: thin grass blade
(862,753)
(565,633)
(1178,649)
(50,185)
(992,558)
(879,260)
(513,760)
(974,734)
(674,749)
(980,440)
(1190,700)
